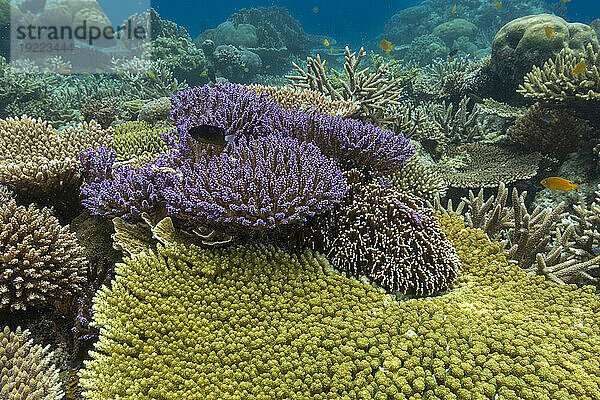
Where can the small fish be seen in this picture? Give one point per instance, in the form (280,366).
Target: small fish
(331,50)
(579,68)
(386,45)
(326,43)
(204,73)
(98,70)
(549,118)
(267,66)
(556,183)
(475,53)
(549,32)
(122,47)
(450,59)
(453,10)
(315,10)
(497,5)
(565,1)
(85,73)
(476,99)
(151,74)
(209,134)
(453,53)
(246,69)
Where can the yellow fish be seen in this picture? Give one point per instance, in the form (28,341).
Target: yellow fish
(580,67)
(98,70)
(331,50)
(326,42)
(85,73)
(386,45)
(549,32)
(453,10)
(556,183)
(246,69)
(497,5)
(122,47)
(204,73)
(267,67)
(565,1)
(151,75)
(475,53)
(315,9)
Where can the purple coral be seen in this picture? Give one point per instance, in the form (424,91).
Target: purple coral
(120,191)
(257,183)
(244,112)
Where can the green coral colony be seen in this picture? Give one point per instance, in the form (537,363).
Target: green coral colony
(262,213)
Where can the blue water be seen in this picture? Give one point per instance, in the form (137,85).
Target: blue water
(351,22)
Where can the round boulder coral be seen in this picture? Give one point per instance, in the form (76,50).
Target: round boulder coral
(40,260)
(524,42)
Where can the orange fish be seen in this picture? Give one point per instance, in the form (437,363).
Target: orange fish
(497,5)
(579,68)
(556,183)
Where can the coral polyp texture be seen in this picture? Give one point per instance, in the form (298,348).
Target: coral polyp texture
(245,112)
(36,159)
(40,260)
(257,183)
(556,80)
(26,369)
(137,138)
(257,323)
(389,237)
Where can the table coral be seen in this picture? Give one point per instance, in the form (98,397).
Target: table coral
(26,369)
(257,323)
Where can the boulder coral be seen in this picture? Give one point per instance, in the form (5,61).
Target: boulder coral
(523,43)
(252,322)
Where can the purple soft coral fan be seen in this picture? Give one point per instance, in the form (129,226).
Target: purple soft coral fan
(257,183)
(244,112)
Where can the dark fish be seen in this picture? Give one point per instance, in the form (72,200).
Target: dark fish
(209,134)
(453,53)
(476,99)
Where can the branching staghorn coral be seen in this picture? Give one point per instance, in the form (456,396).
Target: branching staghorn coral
(136,138)
(474,165)
(458,127)
(553,132)
(199,329)
(26,369)
(307,101)
(372,92)
(40,260)
(555,80)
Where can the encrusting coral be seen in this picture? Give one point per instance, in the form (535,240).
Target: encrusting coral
(553,132)
(26,369)
(36,159)
(555,80)
(253,322)
(40,260)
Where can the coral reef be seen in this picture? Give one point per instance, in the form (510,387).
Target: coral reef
(426,48)
(372,92)
(418,179)
(477,165)
(257,184)
(454,29)
(155,110)
(556,132)
(41,260)
(389,237)
(555,80)
(36,159)
(199,329)
(307,101)
(137,138)
(102,111)
(522,44)
(26,369)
